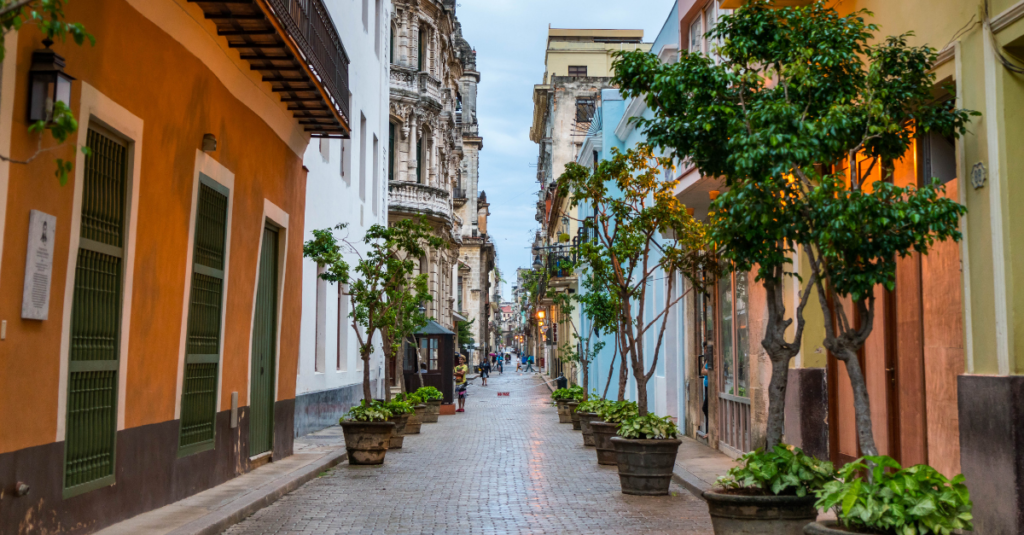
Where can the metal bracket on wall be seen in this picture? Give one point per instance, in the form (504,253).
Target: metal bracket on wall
(234,410)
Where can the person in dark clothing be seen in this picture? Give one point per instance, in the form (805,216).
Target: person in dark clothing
(485,371)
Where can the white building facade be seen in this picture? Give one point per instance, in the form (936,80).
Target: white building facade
(346,183)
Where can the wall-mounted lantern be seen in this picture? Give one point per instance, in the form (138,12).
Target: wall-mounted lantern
(49,84)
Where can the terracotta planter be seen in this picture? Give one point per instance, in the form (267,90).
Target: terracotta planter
(367,442)
(412,425)
(645,465)
(829,527)
(603,433)
(563,411)
(397,439)
(588,432)
(433,411)
(573,417)
(743,514)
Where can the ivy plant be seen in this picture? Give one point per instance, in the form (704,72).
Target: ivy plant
(561,394)
(398,407)
(592,404)
(896,500)
(782,470)
(367,413)
(429,393)
(648,426)
(617,411)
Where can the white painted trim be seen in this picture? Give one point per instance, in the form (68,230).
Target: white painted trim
(206,165)
(965,258)
(275,215)
(993,140)
(10,77)
(1007,17)
(97,107)
(180,22)
(636,107)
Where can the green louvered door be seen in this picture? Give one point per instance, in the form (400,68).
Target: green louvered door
(264,336)
(91,424)
(202,352)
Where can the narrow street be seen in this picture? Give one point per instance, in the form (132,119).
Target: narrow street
(504,466)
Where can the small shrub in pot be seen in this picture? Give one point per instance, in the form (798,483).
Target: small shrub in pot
(367,433)
(400,413)
(587,412)
(432,398)
(893,500)
(645,451)
(610,415)
(562,397)
(770,492)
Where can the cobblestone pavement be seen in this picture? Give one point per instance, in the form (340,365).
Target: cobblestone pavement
(504,466)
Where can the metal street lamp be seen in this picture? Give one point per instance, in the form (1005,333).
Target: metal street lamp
(49,84)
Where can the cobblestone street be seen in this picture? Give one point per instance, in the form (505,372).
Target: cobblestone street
(504,466)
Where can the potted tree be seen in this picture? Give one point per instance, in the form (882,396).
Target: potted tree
(893,500)
(400,413)
(562,397)
(645,451)
(769,492)
(432,398)
(804,119)
(610,415)
(587,412)
(367,433)
(412,425)
(576,395)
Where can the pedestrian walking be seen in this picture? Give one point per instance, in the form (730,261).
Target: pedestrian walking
(485,371)
(501,365)
(460,383)
(529,364)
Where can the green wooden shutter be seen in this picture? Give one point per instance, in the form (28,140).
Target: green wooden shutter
(91,423)
(202,350)
(264,336)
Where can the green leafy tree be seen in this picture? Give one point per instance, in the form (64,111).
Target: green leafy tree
(598,306)
(465,334)
(632,205)
(404,318)
(48,15)
(798,103)
(383,272)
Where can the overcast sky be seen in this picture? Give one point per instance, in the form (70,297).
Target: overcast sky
(509,37)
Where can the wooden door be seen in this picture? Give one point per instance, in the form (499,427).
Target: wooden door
(264,337)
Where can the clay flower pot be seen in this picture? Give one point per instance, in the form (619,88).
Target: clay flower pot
(573,417)
(563,411)
(742,514)
(367,442)
(603,433)
(400,421)
(645,465)
(433,411)
(412,425)
(588,432)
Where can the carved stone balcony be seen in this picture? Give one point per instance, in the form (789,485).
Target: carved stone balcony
(413,198)
(416,83)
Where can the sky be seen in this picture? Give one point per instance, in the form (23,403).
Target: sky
(510,37)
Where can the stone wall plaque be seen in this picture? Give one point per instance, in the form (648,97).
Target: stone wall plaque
(35,300)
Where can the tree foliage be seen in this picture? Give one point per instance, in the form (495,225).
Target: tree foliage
(804,114)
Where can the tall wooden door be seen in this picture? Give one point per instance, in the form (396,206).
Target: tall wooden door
(264,343)
(95,350)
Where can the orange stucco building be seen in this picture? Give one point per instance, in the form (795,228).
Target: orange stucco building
(166,361)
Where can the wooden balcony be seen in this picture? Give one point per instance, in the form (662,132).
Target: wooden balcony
(295,46)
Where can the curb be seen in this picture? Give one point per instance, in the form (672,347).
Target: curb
(218,521)
(692,483)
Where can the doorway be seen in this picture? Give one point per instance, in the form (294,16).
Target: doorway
(264,344)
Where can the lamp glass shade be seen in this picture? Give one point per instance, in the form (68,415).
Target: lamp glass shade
(48,85)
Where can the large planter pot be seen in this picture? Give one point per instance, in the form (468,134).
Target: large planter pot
(412,425)
(747,514)
(397,439)
(433,411)
(367,442)
(603,433)
(645,465)
(829,527)
(588,432)
(573,417)
(563,412)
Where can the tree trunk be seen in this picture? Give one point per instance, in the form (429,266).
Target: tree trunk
(586,378)
(400,368)
(611,368)
(777,401)
(641,390)
(367,394)
(623,374)
(861,404)
(388,358)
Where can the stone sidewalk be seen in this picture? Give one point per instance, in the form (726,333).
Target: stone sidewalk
(504,466)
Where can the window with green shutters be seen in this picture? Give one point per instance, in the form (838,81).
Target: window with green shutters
(94,355)
(202,349)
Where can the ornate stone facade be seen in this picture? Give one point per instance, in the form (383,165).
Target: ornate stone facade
(428,60)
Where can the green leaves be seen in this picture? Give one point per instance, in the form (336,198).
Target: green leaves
(592,404)
(573,393)
(784,470)
(397,407)
(915,500)
(367,412)
(615,412)
(429,393)
(648,426)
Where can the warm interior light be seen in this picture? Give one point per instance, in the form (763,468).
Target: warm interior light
(540,314)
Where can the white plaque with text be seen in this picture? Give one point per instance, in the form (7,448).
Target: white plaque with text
(35,301)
